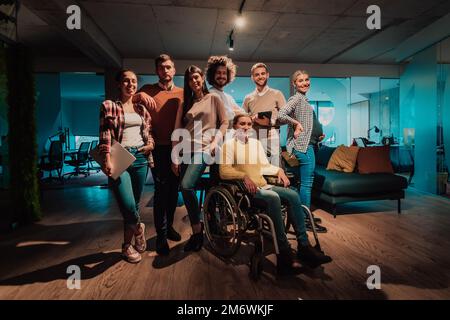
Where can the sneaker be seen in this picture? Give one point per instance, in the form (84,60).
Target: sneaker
(172,234)
(130,254)
(316,219)
(319,228)
(162,247)
(140,244)
(195,242)
(311,256)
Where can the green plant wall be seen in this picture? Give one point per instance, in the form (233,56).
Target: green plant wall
(23,159)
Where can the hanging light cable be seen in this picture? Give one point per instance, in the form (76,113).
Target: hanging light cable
(239,23)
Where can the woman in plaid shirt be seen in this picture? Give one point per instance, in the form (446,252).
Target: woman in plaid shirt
(128,123)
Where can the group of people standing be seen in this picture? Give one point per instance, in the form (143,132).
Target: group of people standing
(143,122)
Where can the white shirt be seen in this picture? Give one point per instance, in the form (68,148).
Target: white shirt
(227,100)
(132,136)
(263,92)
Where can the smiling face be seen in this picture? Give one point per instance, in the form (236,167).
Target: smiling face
(260,76)
(128,84)
(302,83)
(166,71)
(221,77)
(196,82)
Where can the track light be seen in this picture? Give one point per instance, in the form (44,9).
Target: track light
(240,21)
(231,41)
(231,45)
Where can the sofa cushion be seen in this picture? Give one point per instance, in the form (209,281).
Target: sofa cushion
(324,155)
(343,159)
(341,183)
(374,160)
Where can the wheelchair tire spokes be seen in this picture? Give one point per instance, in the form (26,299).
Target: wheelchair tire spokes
(222,221)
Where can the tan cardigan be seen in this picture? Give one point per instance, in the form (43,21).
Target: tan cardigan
(240,159)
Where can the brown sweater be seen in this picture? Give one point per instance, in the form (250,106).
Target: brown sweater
(210,111)
(164,116)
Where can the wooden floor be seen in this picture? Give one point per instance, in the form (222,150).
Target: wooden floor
(82,227)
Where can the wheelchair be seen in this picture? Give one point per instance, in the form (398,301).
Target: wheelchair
(232,215)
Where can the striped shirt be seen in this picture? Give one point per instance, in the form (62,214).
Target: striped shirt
(112,124)
(299,109)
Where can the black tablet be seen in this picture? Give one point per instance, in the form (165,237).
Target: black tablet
(267,114)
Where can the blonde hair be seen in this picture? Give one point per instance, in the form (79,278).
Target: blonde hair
(258,65)
(238,116)
(296,74)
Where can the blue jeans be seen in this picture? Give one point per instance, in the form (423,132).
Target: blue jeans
(306,173)
(128,188)
(191,175)
(273,198)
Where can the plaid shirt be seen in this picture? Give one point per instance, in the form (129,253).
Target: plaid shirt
(299,109)
(112,124)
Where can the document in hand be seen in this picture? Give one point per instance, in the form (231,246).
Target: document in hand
(121,159)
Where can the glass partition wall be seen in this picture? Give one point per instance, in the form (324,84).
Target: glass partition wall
(443,117)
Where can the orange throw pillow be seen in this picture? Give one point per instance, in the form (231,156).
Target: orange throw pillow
(343,159)
(374,160)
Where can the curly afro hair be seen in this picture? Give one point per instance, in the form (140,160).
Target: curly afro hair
(214,62)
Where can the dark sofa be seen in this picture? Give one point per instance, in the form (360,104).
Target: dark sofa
(334,187)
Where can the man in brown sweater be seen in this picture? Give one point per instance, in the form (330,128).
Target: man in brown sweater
(168,100)
(260,104)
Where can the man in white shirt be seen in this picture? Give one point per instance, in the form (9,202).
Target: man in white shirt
(220,71)
(263,105)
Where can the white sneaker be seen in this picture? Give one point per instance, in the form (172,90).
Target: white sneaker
(130,254)
(140,244)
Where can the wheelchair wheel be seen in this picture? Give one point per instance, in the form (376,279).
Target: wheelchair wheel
(222,221)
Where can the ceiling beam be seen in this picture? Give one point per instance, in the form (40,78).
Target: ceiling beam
(423,39)
(90,39)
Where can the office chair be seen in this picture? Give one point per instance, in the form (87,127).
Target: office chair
(91,161)
(81,159)
(54,161)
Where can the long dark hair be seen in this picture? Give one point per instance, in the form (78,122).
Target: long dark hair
(188,93)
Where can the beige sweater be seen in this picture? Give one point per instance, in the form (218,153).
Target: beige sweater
(269,100)
(240,159)
(210,112)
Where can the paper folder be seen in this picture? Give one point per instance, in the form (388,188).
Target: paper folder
(121,159)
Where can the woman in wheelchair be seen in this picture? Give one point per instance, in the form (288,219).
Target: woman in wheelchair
(243,158)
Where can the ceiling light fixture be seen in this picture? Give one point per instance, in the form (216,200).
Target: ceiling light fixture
(231,41)
(240,22)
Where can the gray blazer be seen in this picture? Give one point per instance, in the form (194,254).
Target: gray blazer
(299,109)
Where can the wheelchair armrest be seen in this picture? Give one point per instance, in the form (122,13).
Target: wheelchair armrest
(273,180)
(235,185)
